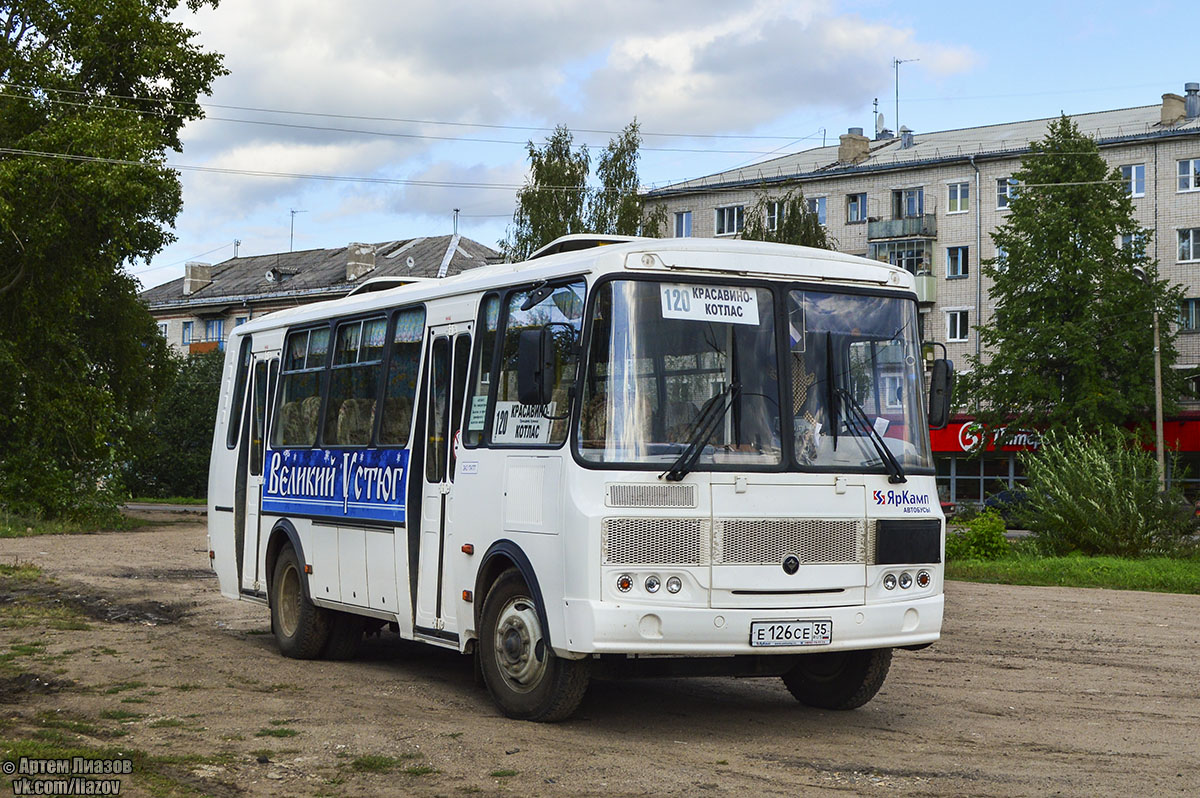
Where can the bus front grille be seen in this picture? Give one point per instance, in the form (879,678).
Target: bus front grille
(766,541)
(656,541)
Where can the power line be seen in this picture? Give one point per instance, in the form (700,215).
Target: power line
(176,263)
(327,115)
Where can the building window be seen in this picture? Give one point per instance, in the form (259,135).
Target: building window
(1189,175)
(957,325)
(957,263)
(774,209)
(959,199)
(914,256)
(729,220)
(214,329)
(908,203)
(817,206)
(891,386)
(186,338)
(1133,240)
(1006,191)
(856,208)
(683,224)
(1134,176)
(238,321)
(1189,244)
(1189,314)
(162,329)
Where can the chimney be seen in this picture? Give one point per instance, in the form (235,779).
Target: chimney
(1192,101)
(1173,109)
(906,139)
(196,275)
(853,146)
(360,260)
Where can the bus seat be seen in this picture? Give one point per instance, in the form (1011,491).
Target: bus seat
(397,418)
(355,419)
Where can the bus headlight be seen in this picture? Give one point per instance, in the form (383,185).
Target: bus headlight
(889,582)
(652,584)
(905,580)
(674,585)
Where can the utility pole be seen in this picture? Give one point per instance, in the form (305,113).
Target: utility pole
(896,62)
(1158,414)
(456,221)
(292,230)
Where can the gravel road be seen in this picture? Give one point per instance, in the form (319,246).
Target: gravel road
(1032,691)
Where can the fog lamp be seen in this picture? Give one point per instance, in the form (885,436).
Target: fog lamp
(905,580)
(674,585)
(652,584)
(889,582)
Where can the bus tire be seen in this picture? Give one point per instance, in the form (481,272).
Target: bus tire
(301,628)
(345,636)
(838,679)
(523,675)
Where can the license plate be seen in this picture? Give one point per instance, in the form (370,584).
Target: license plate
(791,633)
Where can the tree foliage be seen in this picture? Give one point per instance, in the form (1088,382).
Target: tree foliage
(794,221)
(1070,340)
(173,459)
(557,199)
(81,357)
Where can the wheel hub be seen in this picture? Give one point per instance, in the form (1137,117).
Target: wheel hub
(519,652)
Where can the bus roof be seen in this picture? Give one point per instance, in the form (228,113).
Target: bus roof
(578,255)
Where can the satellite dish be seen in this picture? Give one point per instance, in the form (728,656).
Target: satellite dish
(409,262)
(878,124)
(272,275)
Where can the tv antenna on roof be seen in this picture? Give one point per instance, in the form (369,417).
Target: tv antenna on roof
(896,62)
(292,229)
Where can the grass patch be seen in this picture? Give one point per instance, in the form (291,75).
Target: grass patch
(166,723)
(502,774)
(185,687)
(376,763)
(1157,574)
(278,731)
(121,687)
(32,603)
(419,770)
(15,526)
(122,715)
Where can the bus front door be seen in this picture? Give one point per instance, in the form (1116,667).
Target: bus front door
(446,372)
(265,371)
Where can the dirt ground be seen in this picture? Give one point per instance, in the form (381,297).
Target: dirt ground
(1032,691)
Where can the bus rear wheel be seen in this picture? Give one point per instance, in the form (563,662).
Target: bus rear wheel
(301,628)
(524,676)
(838,679)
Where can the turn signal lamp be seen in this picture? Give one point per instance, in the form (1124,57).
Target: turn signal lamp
(624,583)
(923,578)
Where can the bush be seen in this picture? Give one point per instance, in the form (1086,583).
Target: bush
(1097,493)
(983,539)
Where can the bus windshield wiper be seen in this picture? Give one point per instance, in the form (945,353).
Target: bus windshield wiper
(710,417)
(895,471)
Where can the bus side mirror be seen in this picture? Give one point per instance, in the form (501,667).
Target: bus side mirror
(535,366)
(941,388)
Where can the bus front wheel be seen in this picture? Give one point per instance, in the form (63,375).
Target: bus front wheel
(301,628)
(838,679)
(525,678)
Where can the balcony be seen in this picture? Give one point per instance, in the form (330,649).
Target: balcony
(911,227)
(926,288)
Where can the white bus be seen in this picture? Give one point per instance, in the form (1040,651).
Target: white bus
(621,457)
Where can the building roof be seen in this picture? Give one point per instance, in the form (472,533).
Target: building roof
(988,141)
(322,272)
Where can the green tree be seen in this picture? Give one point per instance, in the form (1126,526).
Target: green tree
(785,219)
(557,199)
(173,461)
(1070,342)
(94,93)
(553,201)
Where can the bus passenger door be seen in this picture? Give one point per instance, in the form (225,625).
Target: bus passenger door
(447,376)
(265,372)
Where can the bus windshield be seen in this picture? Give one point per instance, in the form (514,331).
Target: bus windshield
(675,365)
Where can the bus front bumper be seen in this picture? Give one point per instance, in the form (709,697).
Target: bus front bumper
(600,627)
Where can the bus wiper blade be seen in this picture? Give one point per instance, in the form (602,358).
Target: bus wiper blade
(706,425)
(895,471)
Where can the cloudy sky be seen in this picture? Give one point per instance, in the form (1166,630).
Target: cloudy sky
(418,107)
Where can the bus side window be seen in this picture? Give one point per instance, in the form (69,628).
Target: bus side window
(354,382)
(239,395)
(481,382)
(258,423)
(400,388)
(462,355)
(300,393)
(563,308)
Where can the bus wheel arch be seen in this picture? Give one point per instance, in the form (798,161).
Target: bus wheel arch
(282,534)
(501,556)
